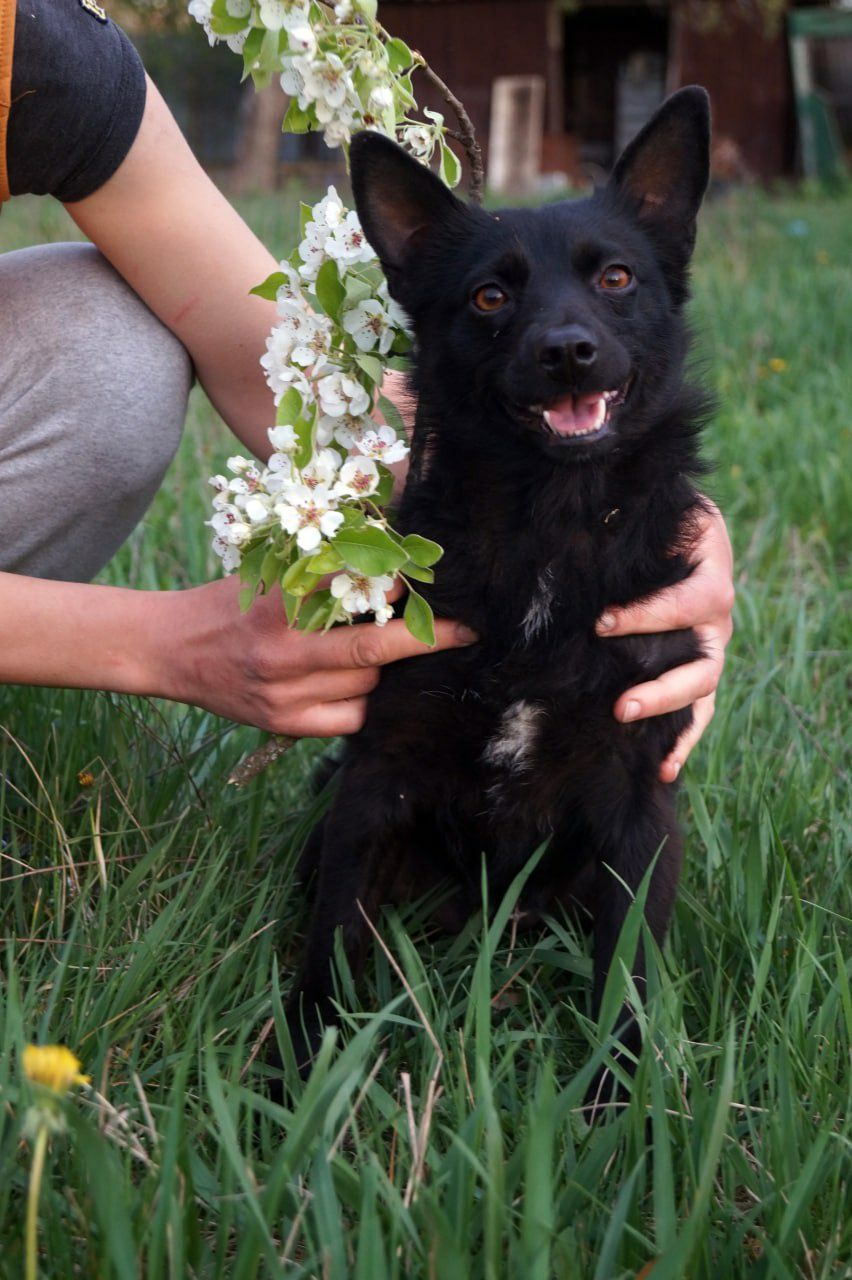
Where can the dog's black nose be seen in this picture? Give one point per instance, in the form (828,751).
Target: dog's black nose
(568,349)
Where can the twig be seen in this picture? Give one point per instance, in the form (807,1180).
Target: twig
(260,759)
(466,134)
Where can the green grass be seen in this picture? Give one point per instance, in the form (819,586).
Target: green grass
(152,921)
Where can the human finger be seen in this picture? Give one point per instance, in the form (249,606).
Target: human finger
(330,719)
(702,714)
(333,685)
(366,645)
(706,595)
(671,691)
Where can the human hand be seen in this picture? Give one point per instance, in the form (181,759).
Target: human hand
(704,601)
(255,669)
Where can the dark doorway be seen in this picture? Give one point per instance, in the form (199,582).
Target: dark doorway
(615,75)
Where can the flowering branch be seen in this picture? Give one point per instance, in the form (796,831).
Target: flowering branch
(466,134)
(313,521)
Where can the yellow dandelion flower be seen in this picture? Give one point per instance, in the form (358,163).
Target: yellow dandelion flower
(53,1066)
(777,365)
(85,778)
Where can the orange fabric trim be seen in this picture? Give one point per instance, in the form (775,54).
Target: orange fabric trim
(7,48)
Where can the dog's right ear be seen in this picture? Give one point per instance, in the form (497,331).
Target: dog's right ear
(399,201)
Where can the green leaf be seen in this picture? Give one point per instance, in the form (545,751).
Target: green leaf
(270,568)
(305,435)
(357,290)
(289,408)
(392,416)
(252,564)
(247,595)
(271,285)
(423,551)
(296,120)
(224,23)
(421,575)
(306,215)
(326,560)
(330,292)
(373,367)
(299,578)
(400,56)
(384,490)
(419,618)
(369,550)
(369,8)
(450,167)
(251,50)
(291,606)
(316,611)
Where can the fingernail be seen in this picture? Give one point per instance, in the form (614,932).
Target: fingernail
(676,767)
(605,622)
(631,711)
(465,634)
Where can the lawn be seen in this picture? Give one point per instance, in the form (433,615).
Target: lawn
(151,918)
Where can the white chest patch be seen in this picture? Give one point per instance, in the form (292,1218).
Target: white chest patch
(516,737)
(538,614)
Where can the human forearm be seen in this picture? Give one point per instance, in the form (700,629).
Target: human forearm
(73,635)
(196,646)
(177,241)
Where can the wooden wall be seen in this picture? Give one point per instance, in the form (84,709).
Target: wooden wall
(748,78)
(471,42)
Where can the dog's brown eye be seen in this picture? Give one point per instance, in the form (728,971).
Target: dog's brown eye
(490,298)
(615,278)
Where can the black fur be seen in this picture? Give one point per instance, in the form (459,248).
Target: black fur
(523,514)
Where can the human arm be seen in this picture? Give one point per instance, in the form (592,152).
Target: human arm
(173,236)
(703,601)
(196,647)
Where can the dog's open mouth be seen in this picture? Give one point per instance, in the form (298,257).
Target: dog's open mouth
(580,417)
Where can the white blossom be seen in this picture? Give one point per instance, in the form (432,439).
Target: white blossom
(339,393)
(358,594)
(370,326)
(382,444)
(258,508)
(381,98)
(347,244)
(346,429)
(308,513)
(419,140)
(229,526)
(343,11)
(359,477)
(283,440)
(230,556)
(273,13)
(322,468)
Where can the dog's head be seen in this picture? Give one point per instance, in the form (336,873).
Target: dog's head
(563,324)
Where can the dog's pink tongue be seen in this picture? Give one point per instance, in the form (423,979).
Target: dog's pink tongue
(576,415)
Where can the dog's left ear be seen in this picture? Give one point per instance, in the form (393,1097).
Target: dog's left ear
(399,201)
(663,173)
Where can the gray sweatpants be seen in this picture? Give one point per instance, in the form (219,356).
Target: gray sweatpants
(93,392)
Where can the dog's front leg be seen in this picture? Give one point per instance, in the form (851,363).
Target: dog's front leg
(361,839)
(629,837)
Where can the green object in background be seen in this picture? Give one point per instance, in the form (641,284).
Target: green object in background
(822,147)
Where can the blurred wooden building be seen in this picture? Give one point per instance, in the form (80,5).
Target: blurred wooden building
(607,63)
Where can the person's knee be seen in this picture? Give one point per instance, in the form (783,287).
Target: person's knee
(93,387)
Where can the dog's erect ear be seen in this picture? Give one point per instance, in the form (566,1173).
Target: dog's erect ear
(663,173)
(398,199)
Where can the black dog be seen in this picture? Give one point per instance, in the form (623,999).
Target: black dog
(551,459)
